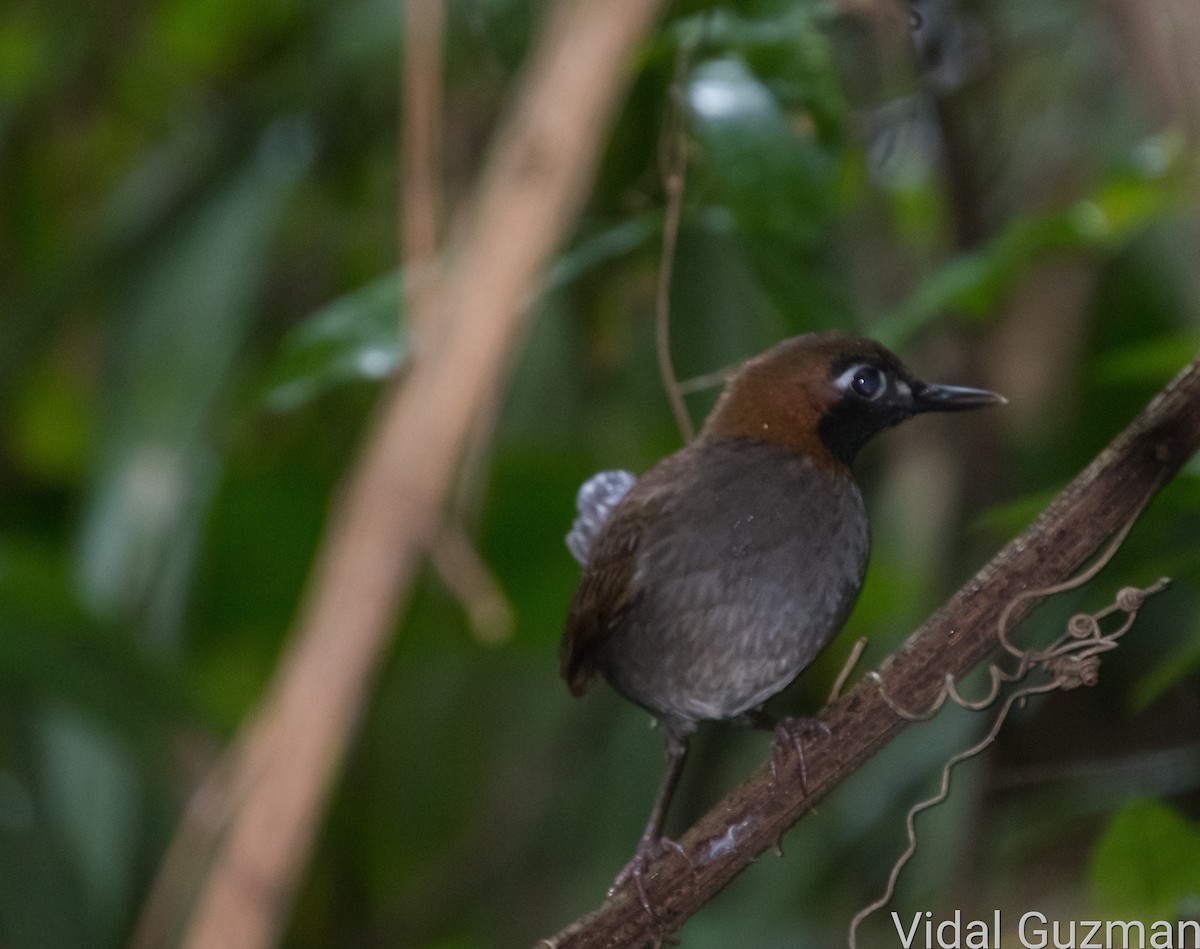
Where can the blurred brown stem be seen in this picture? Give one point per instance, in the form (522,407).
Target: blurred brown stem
(462,570)
(421,136)
(1101,499)
(456,561)
(291,750)
(673,159)
(1159,40)
(662,328)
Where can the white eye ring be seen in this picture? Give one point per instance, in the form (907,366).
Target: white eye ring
(864,380)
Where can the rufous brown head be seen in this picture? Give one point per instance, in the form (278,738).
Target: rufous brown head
(828,394)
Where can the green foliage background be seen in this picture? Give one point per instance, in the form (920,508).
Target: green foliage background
(198,298)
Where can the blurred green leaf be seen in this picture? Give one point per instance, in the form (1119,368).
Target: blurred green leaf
(51,646)
(361,337)
(1153,361)
(92,794)
(357,337)
(184,323)
(53,423)
(26,57)
(1147,864)
(971,286)
(41,901)
(209,35)
(771,176)
(600,246)
(1008,519)
(1166,675)
(787,48)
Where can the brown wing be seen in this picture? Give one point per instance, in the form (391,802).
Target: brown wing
(605,593)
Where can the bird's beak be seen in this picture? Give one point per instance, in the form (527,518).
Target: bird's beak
(934,398)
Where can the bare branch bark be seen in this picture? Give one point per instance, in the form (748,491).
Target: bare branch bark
(1092,507)
(289,755)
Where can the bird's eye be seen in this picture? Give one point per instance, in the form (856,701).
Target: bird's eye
(868,382)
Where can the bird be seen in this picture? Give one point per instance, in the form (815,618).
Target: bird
(711,581)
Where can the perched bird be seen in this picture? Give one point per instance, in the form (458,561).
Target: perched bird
(714,579)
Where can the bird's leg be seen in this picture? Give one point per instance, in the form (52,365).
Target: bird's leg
(653,842)
(790,735)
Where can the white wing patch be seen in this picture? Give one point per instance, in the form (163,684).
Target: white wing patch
(596,498)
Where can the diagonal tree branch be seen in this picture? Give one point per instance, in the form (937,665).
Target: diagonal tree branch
(1109,492)
(258,814)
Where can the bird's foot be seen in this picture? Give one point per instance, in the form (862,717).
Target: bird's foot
(649,849)
(790,736)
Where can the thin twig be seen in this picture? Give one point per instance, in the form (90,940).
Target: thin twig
(673,159)
(709,380)
(847,668)
(456,561)
(662,305)
(462,569)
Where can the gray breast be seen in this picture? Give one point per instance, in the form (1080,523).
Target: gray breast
(750,567)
